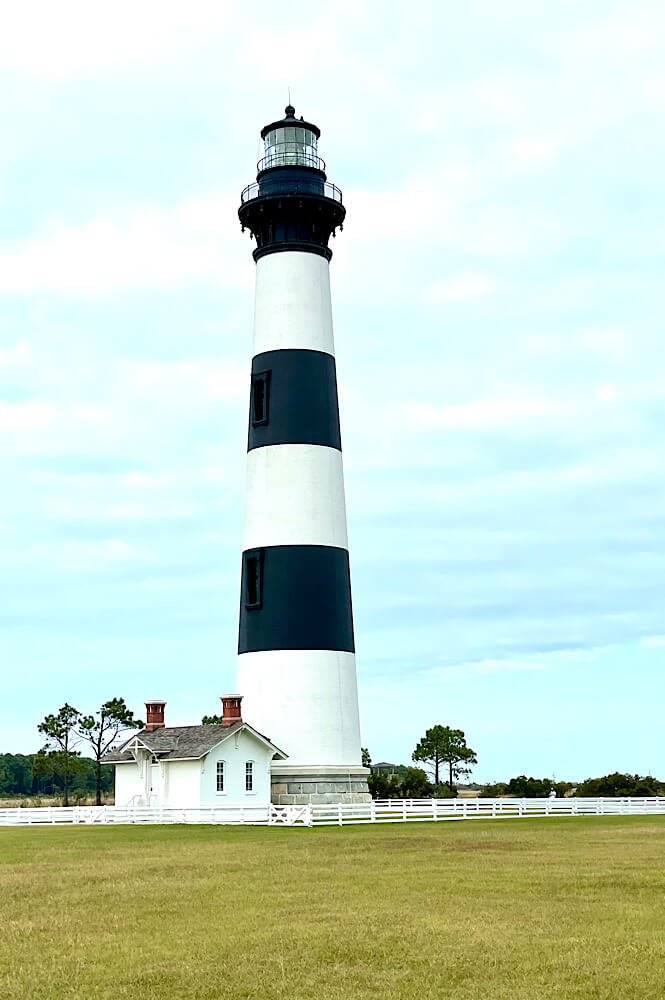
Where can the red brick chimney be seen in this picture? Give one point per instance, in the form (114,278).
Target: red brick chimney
(154,715)
(231,711)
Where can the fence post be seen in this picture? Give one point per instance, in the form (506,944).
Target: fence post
(339,813)
(372,811)
(464,809)
(404,810)
(493,808)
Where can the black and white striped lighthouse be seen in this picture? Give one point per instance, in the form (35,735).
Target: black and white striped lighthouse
(296,663)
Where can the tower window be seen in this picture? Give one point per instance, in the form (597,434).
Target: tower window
(249,776)
(259,398)
(253,578)
(220,775)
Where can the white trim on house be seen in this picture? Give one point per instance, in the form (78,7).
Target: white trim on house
(134,742)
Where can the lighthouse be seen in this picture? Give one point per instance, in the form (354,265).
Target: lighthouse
(296,651)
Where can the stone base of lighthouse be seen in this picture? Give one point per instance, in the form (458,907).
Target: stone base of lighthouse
(300,785)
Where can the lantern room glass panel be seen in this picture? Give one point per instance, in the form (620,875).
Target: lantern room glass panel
(286,147)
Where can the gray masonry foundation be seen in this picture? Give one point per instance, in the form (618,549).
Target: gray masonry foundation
(299,786)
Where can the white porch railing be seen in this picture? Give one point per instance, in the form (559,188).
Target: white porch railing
(378,811)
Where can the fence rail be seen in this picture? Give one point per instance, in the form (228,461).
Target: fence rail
(378,811)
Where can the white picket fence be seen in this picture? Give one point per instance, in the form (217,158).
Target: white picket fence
(379,811)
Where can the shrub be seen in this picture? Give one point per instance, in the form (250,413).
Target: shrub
(443,791)
(384,786)
(620,784)
(493,791)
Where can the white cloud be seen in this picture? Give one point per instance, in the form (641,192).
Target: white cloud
(654,642)
(146,247)
(15,357)
(390,686)
(462,286)
(481,668)
(489,412)
(84,556)
(31,416)
(38,415)
(631,30)
(213,377)
(534,151)
(74,37)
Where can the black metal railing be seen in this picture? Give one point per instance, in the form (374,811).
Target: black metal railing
(329,190)
(290,154)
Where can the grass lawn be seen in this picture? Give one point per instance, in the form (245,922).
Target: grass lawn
(506,909)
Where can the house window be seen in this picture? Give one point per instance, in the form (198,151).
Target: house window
(252,576)
(220,775)
(249,776)
(259,398)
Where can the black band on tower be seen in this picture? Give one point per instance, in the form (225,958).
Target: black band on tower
(295,597)
(294,399)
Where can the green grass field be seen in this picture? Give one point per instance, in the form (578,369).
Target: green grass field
(505,909)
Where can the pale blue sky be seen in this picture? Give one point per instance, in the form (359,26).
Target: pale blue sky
(497,294)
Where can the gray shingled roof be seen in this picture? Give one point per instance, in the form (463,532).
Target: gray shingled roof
(181,741)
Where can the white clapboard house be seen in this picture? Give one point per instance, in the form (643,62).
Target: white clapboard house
(190,766)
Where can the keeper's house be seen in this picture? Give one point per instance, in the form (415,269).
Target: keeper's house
(191,766)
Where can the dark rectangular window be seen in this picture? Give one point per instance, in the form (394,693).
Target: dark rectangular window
(259,398)
(252,576)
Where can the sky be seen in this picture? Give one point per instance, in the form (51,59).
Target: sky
(497,296)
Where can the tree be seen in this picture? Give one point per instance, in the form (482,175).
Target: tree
(384,786)
(366,759)
(212,720)
(63,763)
(414,785)
(443,746)
(61,738)
(535,788)
(102,731)
(529,788)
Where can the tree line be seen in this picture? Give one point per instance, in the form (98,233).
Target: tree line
(19,779)
(609,785)
(444,752)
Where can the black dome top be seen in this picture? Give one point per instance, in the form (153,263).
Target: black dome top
(290,121)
